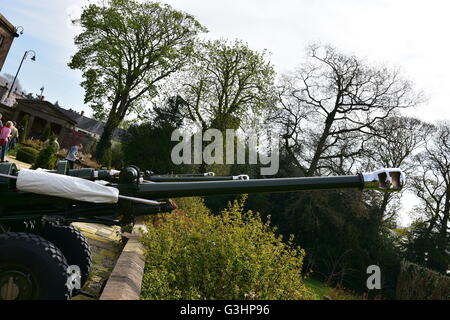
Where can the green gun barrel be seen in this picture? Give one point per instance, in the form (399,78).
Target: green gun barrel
(382,180)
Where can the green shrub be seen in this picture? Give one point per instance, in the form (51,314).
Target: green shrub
(192,254)
(35,144)
(27,154)
(47,158)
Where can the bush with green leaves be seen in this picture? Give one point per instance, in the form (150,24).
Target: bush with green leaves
(193,254)
(47,158)
(27,154)
(24,124)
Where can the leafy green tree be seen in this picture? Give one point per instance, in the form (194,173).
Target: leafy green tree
(126,48)
(148,145)
(227,85)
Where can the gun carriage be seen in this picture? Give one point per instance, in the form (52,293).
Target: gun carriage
(37,207)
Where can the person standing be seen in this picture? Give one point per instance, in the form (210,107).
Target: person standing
(14,136)
(5,133)
(72,155)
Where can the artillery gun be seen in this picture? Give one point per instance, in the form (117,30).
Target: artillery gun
(39,247)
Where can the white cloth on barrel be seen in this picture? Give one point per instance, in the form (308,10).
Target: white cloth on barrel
(58,185)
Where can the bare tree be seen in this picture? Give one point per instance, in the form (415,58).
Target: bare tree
(432,186)
(395,144)
(330,106)
(8,79)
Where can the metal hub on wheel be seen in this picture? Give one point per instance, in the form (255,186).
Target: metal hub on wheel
(16,283)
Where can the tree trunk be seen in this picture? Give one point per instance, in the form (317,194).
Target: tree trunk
(320,146)
(104,145)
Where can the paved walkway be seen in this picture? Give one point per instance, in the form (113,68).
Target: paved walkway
(106,246)
(19,164)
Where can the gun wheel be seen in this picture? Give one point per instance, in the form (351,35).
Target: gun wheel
(73,245)
(31,268)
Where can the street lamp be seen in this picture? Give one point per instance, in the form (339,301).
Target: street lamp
(33,58)
(19,28)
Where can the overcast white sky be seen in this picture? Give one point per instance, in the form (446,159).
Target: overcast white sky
(411,34)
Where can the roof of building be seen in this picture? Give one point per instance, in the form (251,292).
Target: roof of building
(46,107)
(78,120)
(89,124)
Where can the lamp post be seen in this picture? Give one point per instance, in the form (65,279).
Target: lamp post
(19,28)
(33,58)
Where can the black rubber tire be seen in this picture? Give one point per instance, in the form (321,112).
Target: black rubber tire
(42,263)
(73,245)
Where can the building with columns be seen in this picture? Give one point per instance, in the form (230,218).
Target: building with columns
(43,114)
(68,125)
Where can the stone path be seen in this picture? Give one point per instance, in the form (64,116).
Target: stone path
(19,164)
(106,246)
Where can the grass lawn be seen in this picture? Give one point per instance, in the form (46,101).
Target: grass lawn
(321,289)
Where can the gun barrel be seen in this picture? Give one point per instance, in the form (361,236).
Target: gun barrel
(382,180)
(187,189)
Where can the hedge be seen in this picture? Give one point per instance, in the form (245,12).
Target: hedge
(419,283)
(27,154)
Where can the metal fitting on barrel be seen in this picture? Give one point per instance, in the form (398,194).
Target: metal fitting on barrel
(389,179)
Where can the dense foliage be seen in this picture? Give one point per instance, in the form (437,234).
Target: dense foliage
(340,235)
(47,159)
(192,254)
(148,145)
(227,85)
